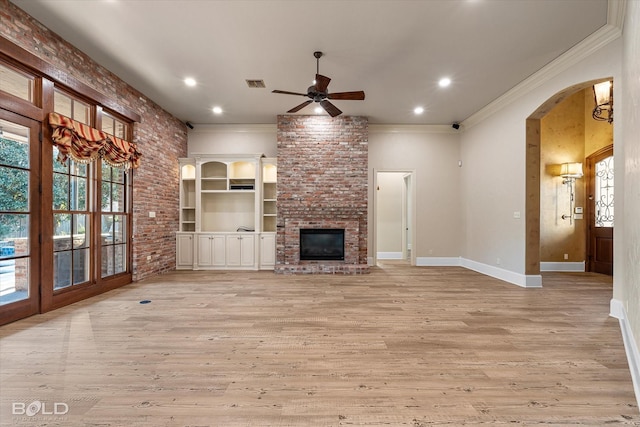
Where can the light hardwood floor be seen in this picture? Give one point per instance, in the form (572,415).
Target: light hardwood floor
(401,346)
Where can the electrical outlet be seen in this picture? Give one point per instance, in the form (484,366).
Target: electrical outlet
(566,256)
(148,257)
(498,261)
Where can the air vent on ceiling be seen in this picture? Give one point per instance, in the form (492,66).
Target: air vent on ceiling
(256,84)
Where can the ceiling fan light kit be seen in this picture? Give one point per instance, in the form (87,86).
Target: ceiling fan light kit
(318,93)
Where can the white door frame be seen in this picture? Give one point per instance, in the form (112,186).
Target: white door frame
(410,200)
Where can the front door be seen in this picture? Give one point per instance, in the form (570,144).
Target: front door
(19,217)
(601,216)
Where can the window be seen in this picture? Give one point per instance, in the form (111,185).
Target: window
(16,83)
(604,193)
(14,212)
(72,108)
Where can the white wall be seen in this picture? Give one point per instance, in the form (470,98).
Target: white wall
(493,155)
(433,153)
(626,288)
(233,139)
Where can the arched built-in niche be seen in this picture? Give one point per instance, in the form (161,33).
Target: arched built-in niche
(533,141)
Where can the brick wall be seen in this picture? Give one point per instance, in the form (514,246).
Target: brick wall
(161,138)
(322,183)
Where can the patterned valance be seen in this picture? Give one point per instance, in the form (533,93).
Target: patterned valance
(84,144)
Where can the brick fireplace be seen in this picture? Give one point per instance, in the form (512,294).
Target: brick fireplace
(322,184)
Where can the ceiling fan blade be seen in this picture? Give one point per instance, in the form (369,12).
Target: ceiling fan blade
(322,82)
(330,108)
(300,107)
(356,96)
(288,93)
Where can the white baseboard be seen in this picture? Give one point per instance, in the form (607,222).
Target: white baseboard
(576,267)
(369,261)
(434,261)
(389,255)
(524,280)
(618,311)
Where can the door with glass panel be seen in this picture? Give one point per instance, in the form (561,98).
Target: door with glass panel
(601,213)
(19,217)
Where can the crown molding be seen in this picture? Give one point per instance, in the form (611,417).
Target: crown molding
(391,128)
(233,128)
(600,38)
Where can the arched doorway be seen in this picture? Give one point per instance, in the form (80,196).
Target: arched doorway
(537,172)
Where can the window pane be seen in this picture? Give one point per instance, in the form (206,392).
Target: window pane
(78,193)
(81,112)
(14,190)
(14,280)
(16,83)
(57,166)
(107,261)
(604,193)
(119,228)
(14,233)
(107,124)
(79,169)
(106,197)
(117,175)
(60,185)
(120,261)
(80,266)
(61,269)
(61,232)
(14,146)
(117,201)
(81,232)
(62,104)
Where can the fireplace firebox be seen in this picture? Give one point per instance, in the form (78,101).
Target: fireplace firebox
(321,244)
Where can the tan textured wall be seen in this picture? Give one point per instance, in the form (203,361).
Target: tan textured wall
(597,134)
(562,140)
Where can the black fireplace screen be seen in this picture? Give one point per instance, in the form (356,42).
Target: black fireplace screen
(321,244)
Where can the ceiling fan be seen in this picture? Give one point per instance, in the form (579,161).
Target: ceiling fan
(318,93)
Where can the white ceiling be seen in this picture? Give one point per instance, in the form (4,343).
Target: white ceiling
(394,50)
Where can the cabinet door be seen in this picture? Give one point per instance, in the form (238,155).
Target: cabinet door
(248,251)
(211,250)
(240,250)
(184,251)
(267,251)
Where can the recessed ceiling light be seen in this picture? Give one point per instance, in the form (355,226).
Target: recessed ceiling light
(190,81)
(217,110)
(418,110)
(444,82)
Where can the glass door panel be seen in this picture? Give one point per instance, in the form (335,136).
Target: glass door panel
(18,227)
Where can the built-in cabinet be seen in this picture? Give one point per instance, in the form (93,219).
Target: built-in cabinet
(227,212)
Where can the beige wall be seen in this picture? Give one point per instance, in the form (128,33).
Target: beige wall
(433,153)
(388,215)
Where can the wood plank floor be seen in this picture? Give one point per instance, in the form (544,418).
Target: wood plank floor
(401,346)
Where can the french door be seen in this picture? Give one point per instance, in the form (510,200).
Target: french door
(19,216)
(600,212)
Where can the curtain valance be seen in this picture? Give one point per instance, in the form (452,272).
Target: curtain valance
(84,144)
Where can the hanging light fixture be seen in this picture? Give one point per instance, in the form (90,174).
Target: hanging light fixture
(603,94)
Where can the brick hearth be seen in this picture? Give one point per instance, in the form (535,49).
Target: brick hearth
(322,183)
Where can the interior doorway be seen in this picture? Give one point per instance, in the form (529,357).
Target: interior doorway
(394,217)
(600,212)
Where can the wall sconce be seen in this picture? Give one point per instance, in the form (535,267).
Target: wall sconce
(570,172)
(603,94)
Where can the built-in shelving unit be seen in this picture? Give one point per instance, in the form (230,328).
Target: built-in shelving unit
(227,212)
